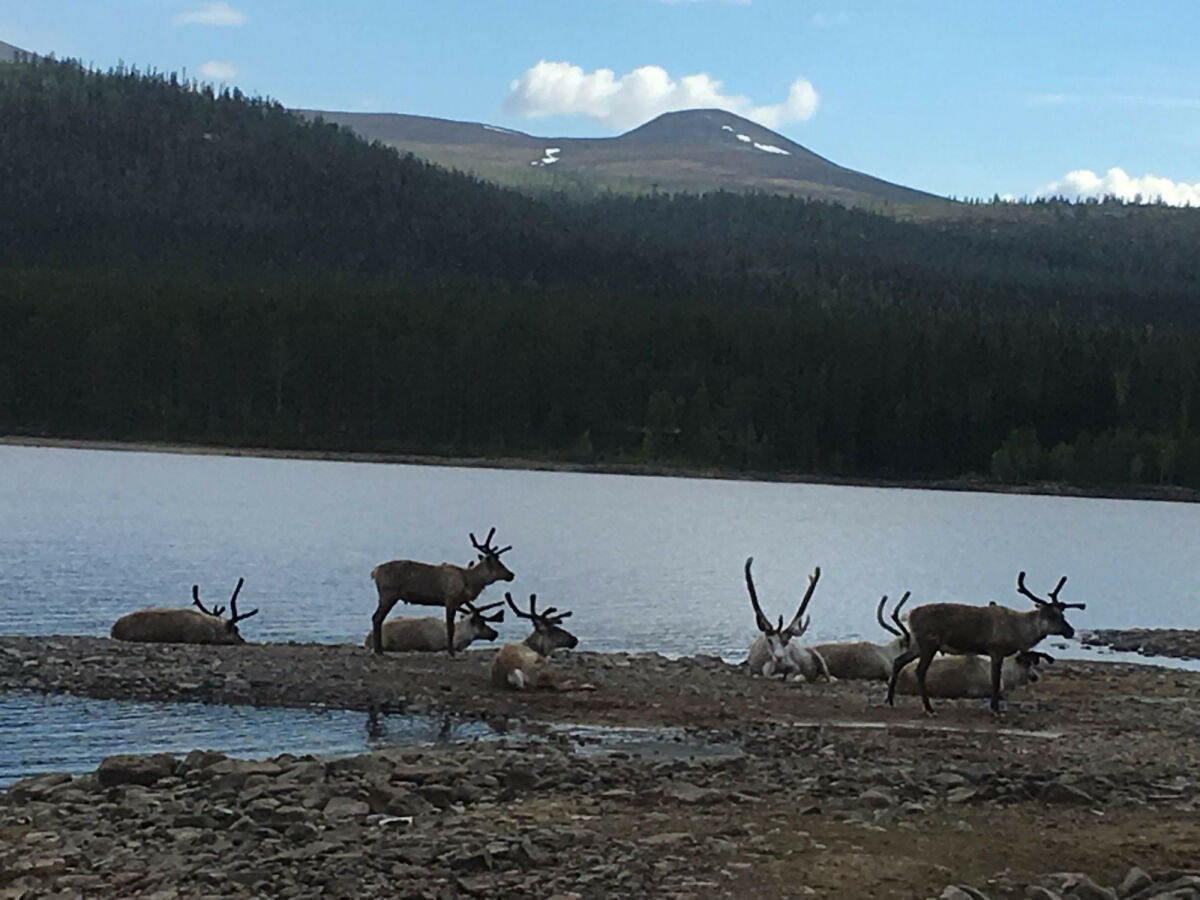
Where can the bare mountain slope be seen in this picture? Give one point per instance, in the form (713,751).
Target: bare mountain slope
(693,150)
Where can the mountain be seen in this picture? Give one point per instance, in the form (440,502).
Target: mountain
(9,53)
(696,150)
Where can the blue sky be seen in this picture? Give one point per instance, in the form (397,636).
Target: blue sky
(968,98)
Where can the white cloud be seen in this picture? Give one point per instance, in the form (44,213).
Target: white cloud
(218,71)
(830,20)
(1084,183)
(219,13)
(560,88)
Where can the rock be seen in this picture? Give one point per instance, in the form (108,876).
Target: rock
(874,798)
(36,787)
(132,769)
(1037,892)
(961,892)
(1077,886)
(961,794)
(1061,792)
(1135,880)
(668,839)
(686,792)
(346,808)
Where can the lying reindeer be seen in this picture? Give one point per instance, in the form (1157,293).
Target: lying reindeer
(957,677)
(401,633)
(527,664)
(776,650)
(444,585)
(184,626)
(993,631)
(867,660)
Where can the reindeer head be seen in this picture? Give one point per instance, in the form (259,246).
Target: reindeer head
(548,633)
(477,623)
(1029,660)
(778,636)
(229,633)
(489,559)
(1050,612)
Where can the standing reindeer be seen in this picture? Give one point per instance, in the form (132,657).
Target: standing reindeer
(445,585)
(773,650)
(184,626)
(527,664)
(994,631)
(867,660)
(428,634)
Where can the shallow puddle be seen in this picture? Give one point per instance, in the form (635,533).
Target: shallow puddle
(59,733)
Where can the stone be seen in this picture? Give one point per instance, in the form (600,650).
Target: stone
(1135,880)
(686,792)
(1059,792)
(133,769)
(346,808)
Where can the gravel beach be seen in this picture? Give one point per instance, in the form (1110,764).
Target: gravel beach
(1087,786)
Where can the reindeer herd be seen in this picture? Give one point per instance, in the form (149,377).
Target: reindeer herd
(987,651)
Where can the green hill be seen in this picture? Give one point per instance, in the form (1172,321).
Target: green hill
(183,264)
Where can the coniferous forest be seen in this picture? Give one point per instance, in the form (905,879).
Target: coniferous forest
(182,264)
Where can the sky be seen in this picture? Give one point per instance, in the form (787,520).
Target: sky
(962,98)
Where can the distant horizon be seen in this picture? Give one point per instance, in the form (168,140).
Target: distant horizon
(1079,99)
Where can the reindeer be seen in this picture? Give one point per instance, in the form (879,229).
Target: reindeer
(445,585)
(994,631)
(970,676)
(184,626)
(773,650)
(429,634)
(527,664)
(867,660)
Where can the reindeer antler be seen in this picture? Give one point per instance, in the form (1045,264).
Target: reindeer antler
(763,623)
(896,616)
(472,610)
(798,626)
(486,547)
(879,617)
(1053,601)
(215,611)
(233,613)
(550,617)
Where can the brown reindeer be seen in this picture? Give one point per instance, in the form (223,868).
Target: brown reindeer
(184,626)
(425,584)
(994,631)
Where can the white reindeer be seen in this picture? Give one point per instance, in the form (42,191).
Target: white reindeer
(867,660)
(184,626)
(776,650)
(958,677)
(428,634)
(445,585)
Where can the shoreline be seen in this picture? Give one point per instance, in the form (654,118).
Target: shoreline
(1160,493)
(817,789)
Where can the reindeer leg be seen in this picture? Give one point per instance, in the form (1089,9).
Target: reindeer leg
(899,663)
(450,611)
(927,654)
(997,665)
(381,612)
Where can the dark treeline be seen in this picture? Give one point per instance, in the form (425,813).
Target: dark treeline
(183,264)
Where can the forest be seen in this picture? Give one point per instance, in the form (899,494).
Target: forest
(179,263)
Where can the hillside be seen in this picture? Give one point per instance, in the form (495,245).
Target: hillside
(182,264)
(697,151)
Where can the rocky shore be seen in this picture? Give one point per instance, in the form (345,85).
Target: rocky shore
(1178,643)
(1089,786)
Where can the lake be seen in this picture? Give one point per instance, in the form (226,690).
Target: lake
(645,563)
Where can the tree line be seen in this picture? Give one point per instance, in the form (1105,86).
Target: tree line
(179,263)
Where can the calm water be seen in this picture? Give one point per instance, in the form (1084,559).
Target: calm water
(645,564)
